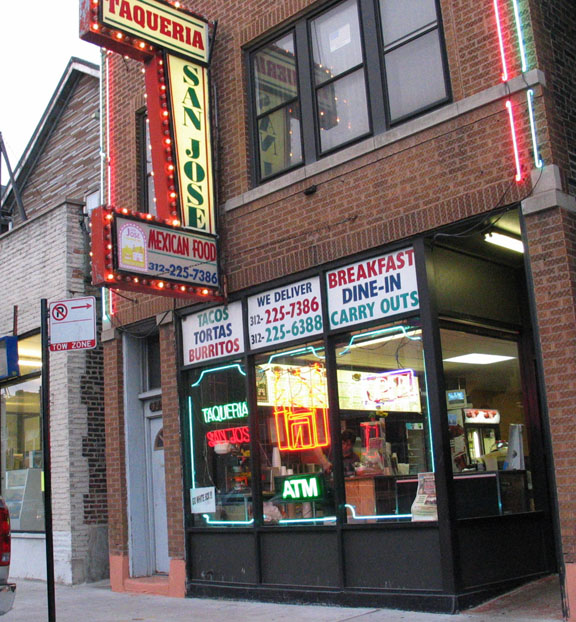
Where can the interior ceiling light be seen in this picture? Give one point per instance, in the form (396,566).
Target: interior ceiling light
(505,241)
(475,358)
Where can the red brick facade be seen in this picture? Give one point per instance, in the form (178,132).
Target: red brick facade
(410,183)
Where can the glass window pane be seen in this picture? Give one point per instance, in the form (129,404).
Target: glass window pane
(294,434)
(383,421)
(275,75)
(489,445)
(153,363)
(219,464)
(402,17)
(336,41)
(343,110)
(279,140)
(415,76)
(150,192)
(30,354)
(22,458)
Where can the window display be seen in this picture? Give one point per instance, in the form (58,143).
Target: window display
(294,437)
(490,453)
(219,441)
(22,454)
(383,420)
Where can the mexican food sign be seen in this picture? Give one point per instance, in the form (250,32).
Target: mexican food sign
(174,46)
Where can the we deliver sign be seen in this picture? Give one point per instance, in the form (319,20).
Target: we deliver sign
(72,324)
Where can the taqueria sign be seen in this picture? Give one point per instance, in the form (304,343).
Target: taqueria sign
(174,45)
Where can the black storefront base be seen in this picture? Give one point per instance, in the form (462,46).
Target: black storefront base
(396,566)
(408,601)
(394,599)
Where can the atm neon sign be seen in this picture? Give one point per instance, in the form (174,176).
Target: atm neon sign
(303,488)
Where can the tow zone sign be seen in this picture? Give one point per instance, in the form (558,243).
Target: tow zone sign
(72,324)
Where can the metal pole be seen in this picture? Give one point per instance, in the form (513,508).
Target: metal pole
(47,468)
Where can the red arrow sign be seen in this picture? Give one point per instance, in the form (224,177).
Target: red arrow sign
(82,307)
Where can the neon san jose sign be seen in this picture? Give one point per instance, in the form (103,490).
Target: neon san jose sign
(174,46)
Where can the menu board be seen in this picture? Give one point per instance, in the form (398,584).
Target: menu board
(285,313)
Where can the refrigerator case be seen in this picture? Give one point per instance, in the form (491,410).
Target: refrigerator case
(481,439)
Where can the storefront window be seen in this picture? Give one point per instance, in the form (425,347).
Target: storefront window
(21,431)
(489,445)
(383,421)
(294,437)
(219,438)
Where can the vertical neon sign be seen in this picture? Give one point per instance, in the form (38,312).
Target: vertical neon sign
(537,160)
(504,74)
(514,141)
(520,36)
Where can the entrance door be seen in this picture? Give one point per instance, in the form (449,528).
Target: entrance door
(158,521)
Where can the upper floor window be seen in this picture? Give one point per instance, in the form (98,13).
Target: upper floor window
(146,195)
(343,74)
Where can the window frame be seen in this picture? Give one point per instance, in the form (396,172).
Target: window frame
(373,66)
(254,116)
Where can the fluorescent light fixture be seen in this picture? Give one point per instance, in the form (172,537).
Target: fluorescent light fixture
(474,358)
(505,241)
(30,362)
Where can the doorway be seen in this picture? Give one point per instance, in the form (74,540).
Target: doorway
(157,523)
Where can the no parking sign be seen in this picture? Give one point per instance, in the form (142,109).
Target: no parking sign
(72,324)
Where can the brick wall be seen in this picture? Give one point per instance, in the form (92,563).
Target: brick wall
(46,257)
(552,237)
(445,172)
(172,453)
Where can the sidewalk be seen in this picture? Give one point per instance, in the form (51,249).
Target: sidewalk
(96,603)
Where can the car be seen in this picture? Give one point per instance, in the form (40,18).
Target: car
(7,590)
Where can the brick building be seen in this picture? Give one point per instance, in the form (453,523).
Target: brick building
(44,254)
(367,152)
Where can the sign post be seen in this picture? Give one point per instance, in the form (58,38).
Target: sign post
(46,456)
(65,325)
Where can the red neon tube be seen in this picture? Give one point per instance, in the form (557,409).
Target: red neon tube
(501,41)
(514,141)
